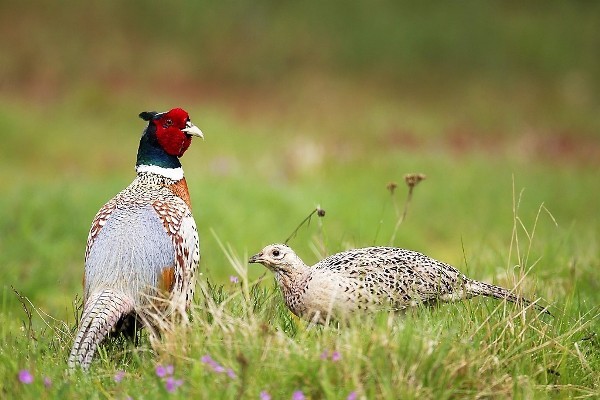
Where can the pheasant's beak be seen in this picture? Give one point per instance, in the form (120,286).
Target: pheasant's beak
(257,258)
(193,130)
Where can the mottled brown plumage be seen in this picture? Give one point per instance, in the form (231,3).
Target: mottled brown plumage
(368,279)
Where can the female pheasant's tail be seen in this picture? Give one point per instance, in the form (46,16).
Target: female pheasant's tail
(477,288)
(101,313)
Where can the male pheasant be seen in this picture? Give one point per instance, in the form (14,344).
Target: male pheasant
(368,279)
(142,249)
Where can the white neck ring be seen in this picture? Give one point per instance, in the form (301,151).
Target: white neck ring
(171,173)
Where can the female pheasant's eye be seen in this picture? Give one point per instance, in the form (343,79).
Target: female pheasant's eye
(275,253)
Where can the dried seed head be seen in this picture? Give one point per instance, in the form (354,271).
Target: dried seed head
(413,179)
(391,187)
(242,360)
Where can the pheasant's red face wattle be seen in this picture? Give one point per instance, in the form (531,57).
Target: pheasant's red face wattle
(173,141)
(169,132)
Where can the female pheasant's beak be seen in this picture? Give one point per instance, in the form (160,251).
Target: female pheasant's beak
(257,258)
(192,130)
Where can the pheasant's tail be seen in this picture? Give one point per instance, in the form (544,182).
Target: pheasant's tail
(101,313)
(476,288)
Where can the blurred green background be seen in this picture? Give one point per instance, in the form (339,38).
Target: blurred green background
(304,104)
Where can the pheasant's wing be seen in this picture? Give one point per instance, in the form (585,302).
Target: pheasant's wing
(97,224)
(190,252)
(99,221)
(431,279)
(180,226)
(401,276)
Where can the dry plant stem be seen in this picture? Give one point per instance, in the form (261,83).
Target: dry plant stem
(403,216)
(523,264)
(320,212)
(24,301)
(411,181)
(514,240)
(58,326)
(240,267)
(523,259)
(322,241)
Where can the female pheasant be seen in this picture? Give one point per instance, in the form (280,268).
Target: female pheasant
(368,279)
(142,249)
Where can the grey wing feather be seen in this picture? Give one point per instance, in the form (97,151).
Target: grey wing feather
(129,252)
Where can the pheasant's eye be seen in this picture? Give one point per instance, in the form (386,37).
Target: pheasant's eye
(168,123)
(276,253)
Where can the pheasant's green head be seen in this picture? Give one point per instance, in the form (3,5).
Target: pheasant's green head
(165,139)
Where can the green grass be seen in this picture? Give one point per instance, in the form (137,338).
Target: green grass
(456,351)
(479,211)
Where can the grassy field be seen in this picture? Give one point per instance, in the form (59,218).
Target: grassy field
(500,114)
(498,215)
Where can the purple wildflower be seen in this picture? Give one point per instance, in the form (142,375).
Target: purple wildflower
(119,376)
(206,359)
(162,371)
(171,384)
(264,395)
(336,356)
(233,279)
(216,367)
(47,382)
(352,396)
(25,376)
(219,369)
(298,395)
